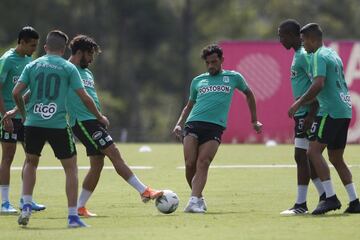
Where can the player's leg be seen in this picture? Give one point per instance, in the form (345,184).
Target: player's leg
(62,143)
(336,157)
(190,144)
(8,152)
(146,193)
(34,143)
(89,184)
(303,178)
(326,134)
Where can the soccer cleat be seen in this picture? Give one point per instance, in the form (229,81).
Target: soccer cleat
(331,203)
(25,215)
(150,194)
(7,208)
(34,206)
(194,207)
(296,209)
(354,207)
(74,221)
(82,211)
(202,203)
(322,197)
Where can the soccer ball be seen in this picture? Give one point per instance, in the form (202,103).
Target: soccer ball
(168,202)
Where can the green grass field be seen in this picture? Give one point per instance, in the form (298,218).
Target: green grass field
(243,203)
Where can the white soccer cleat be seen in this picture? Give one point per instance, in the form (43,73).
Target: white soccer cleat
(194,207)
(7,208)
(202,203)
(25,215)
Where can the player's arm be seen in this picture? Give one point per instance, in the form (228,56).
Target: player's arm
(183,116)
(18,98)
(250,98)
(316,86)
(12,113)
(90,104)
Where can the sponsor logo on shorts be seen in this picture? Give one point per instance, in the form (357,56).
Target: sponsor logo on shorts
(215,88)
(14,136)
(102,142)
(6,135)
(46,111)
(108,138)
(97,135)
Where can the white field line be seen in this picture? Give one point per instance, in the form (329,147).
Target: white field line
(261,166)
(251,166)
(83,168)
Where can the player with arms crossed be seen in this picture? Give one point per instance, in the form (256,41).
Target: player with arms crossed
(289,34)
(49,79)
(92,133)
(12,64)
(204,119)
(332,121)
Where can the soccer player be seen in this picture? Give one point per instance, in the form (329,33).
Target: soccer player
(11,130)
(204,119)
(332,121)
(289,35)
(92,133)
(49,79)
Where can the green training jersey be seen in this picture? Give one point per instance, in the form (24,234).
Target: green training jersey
(11,66)
(76,108)
(49,79)
(212,96)
(300,80)
(334,98)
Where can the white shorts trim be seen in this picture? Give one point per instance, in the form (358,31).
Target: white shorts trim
(302,143)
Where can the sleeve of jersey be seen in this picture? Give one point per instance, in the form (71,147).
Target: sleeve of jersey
(318,66)
(75,79)
(193,92)
(3,70)
(241,83)
(24,77)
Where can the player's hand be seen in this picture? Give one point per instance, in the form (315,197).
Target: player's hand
(294,107)
(8,124)
(103,120)
(257,126)
(10,114)
(177,131)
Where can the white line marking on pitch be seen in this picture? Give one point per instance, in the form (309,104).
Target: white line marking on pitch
(260,166)
(82,168)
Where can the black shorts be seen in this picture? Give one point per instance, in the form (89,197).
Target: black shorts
(16,135)
(93,135)
(330,131)
(203,131)
(299,126)
(60,140)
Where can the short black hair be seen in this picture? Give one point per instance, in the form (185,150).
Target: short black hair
(56,40)
(27,33)
(313,29)
(211,49)
(290,26)
(83,43)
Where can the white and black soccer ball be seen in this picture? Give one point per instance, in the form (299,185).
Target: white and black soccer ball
(168,202)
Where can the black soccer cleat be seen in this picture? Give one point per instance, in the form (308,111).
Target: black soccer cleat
(354,207)
(329,204)
(322,197)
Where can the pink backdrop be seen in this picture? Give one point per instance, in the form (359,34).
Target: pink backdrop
(266,67)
